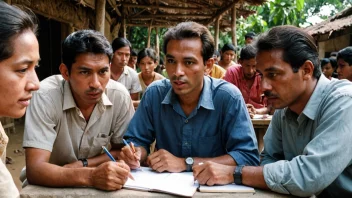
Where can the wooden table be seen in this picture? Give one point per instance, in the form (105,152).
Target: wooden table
(32,191)
(260,126)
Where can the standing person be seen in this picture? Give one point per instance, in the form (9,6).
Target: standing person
(121,72)
(246,78)
(133,60)
(73,115)
(344,63)
(307,147)
(248,38)
(19,55)
(327,68)
(147,61)
(228,53)
(193,118)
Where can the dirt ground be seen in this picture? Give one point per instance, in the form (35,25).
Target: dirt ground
(15,152)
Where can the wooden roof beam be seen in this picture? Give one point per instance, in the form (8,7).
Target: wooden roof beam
(221,11)
(173,15)
(165,7)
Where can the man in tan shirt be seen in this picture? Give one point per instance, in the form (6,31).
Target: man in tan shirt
(76,113)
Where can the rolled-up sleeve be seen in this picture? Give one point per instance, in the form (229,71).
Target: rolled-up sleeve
(323,159)
(241,140)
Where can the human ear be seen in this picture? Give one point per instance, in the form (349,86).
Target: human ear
(64,71)
(307,69)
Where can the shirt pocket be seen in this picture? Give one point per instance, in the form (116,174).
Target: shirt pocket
(101,140)
(210,146)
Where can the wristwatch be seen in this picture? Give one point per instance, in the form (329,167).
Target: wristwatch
(84,162)
(237,175)
(189,162)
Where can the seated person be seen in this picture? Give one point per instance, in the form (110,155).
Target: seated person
(307,147)
(247,80)
(193,118)
(147,61)
(19,56)
(344,63)
(73,115)
(121,72)
(228,54)
(327,68)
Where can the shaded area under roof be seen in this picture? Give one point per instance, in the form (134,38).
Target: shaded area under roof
(340,21)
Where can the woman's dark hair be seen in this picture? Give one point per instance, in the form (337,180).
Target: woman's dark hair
(119,42)
(189,30)
(147,52)
(324,61)
(297,45)
(84,41)
(13,21)
(346,55)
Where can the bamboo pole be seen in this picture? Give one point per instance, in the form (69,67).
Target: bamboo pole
(100,15)
(149,34)
(217,26)
(157,48)
(233,28)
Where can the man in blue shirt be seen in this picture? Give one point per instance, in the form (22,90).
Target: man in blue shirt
(307,147)
(192,117)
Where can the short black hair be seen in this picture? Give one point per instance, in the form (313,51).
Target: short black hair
(333,61)
(133,53)
(119,42)
(14,21)
(147,52)
(188,30)
(324,61)
(84,41)
(250,35)
(227,47)
(248,52)
(346,55)
(297,45)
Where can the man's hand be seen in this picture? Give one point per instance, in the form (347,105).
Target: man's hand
(162,160)
(251,110)
(110,175)
(132,159)
(211,173)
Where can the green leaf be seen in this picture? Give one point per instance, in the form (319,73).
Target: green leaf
(299,4)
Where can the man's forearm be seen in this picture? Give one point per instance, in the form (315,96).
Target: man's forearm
(253,176)
(47,174)
(224,159)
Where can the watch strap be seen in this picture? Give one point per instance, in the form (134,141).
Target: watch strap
(237,175)
(84,162)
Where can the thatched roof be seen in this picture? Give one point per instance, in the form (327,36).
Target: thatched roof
(340,21)
(166,13)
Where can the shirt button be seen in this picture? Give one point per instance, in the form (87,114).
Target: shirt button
(186,121)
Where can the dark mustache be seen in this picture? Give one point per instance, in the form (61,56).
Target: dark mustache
(269,94)
(94,91)
(173,78)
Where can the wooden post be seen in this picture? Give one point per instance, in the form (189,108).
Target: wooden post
(149,34)
(8,2)
(233,29)
(123,22)
(157,48)
(100,15)
(217,24)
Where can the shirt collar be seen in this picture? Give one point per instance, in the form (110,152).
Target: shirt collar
(69,101)
(205,100)
(311,109)
(125,70)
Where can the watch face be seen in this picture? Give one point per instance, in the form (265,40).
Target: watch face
(189,160)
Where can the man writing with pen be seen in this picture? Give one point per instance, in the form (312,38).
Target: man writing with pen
(192,117)
(73,115)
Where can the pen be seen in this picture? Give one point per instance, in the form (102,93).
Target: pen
(113,159)
(132,148)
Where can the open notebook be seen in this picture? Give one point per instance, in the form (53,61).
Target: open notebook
(173,183)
